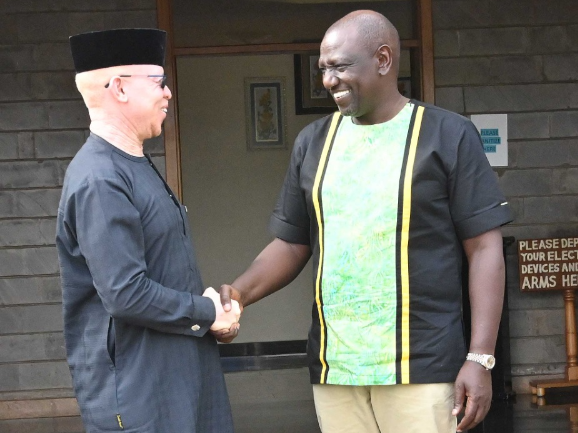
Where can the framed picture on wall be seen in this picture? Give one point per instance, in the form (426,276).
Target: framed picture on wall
(310,95)
(265,113)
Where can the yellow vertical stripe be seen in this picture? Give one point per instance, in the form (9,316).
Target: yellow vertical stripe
(316,204)
(406,216)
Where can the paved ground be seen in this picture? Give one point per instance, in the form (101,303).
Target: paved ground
(523,416)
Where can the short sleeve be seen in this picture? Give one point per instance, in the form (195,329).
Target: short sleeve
(477,204)
(290,220)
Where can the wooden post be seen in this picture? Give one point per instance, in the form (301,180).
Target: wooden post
(426,50)
(571,342)
(171,124)
(539,387)
(573,416)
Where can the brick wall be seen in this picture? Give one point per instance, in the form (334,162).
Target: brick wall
(520,57)
(43,122)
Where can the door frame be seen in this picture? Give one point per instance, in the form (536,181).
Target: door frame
(423,45)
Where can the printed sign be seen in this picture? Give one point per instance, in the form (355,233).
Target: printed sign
(493,129)
(548,264)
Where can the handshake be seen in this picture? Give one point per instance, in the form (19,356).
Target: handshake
(226,322)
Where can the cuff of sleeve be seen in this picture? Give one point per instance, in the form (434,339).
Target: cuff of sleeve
(203,316)
(484,221)
(288,232)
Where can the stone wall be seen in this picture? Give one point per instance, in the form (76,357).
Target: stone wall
(520,57)
(43,122)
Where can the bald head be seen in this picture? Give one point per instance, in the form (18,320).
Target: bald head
(373,29)
(91,84)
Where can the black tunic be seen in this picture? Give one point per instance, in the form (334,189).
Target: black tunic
(135,323)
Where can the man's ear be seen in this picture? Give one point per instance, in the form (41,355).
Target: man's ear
(385,59)
(116,87)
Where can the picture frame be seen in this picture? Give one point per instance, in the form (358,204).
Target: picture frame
(310,95)
(265,113)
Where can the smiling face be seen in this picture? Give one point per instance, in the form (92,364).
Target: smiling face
(147,102)
(351,73)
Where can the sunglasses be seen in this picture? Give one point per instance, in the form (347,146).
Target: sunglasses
(162,83)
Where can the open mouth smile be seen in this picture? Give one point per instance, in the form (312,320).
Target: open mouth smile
(338,95)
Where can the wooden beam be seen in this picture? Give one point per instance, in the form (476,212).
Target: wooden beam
(247,49)
(171,124)
(290,48)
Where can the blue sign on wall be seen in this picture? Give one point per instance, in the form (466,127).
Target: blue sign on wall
(493,129)
(490,138)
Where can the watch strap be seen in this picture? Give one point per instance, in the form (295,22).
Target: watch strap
(481,359)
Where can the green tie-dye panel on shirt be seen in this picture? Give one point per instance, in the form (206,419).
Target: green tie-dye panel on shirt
(360,199)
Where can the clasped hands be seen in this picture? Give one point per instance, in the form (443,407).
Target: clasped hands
(226,322)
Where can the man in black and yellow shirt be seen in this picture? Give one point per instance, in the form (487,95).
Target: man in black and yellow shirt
(384,196)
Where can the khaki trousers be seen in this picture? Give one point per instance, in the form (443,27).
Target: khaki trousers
(385,408)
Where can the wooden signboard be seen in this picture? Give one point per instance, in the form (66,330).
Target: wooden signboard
(552,264)
(548,264)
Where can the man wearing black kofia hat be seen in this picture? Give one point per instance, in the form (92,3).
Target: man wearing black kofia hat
(135,313)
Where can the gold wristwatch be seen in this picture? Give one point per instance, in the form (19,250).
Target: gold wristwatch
(486,361)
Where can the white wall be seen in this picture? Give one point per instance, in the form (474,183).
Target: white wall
(230,191)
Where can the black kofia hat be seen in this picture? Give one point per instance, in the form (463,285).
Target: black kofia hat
(97,50)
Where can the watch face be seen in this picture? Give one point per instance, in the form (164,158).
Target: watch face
(490,362)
